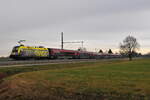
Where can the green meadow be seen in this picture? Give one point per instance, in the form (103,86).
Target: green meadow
(101,80)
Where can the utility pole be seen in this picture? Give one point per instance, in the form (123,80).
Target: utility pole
(62,41)
(82,43)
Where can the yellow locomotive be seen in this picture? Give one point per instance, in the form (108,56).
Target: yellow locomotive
(26,52)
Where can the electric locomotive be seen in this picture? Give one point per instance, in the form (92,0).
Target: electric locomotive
(28,52)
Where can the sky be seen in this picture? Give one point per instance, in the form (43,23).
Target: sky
(101,24)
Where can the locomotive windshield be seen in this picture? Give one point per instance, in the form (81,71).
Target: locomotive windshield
(15,49)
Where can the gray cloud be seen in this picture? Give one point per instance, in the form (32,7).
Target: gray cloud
(106,22)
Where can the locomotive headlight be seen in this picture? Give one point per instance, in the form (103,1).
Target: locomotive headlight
(14,53)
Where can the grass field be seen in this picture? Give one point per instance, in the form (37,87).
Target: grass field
(102,80)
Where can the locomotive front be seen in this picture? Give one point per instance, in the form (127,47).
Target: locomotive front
(15,53)
(27,52)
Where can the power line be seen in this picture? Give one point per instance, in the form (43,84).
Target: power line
(62,41)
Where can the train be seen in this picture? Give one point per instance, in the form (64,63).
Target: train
(28,52)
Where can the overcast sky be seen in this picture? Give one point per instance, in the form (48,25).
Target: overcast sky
(99,23)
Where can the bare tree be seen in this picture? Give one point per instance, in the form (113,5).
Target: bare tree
(129,46)
(100,51)
(110,51)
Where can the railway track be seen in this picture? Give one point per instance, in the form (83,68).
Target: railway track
(12,63)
